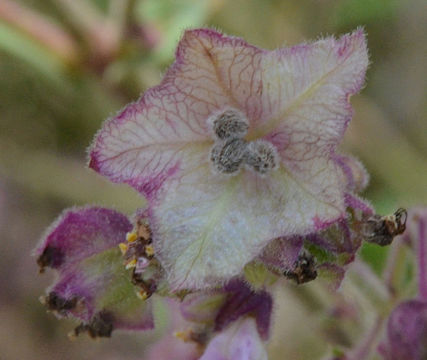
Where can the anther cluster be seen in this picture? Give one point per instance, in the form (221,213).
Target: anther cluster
(231,150)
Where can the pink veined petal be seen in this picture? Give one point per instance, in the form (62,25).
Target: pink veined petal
(204,233)
(355,172)
(306,91)
(92,283)
(306,109)
(165,132)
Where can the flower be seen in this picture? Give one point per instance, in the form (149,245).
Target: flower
(92,284)
(237,147)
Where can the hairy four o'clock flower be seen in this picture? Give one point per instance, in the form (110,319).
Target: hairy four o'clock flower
(236,147)
(236,153)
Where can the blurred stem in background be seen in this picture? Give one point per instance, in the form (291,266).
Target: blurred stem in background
(32,37)
(103,34)
(40,29)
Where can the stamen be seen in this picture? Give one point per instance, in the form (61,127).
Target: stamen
(149,250)
(230,124)
(304,269)
(123,248)
(131,264)
(227,157)
(143,231)
(141,264)
(200,338)
(182,335)
(142,294)
(261,156)
(131,236)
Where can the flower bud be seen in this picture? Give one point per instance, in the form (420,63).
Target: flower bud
(406,332)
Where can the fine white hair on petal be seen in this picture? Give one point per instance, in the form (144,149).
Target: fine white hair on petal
(206,225)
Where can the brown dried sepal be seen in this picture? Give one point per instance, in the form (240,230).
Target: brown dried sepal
(51,257)
(101,325)
(381,230)
(58,304)
(304,269)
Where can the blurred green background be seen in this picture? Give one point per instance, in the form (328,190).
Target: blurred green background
(66,65)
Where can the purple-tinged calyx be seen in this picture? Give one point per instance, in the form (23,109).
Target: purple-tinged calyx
(242,301)
(406,335)
(325,253)
(234,321)
(220,307)
(271,119)
(82,246)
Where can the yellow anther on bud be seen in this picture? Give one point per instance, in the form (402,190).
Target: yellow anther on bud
(182,335)
(131,264)
(72,336)
(123,248)
(42,300)
(142,294)
(149,250)
(131,236)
